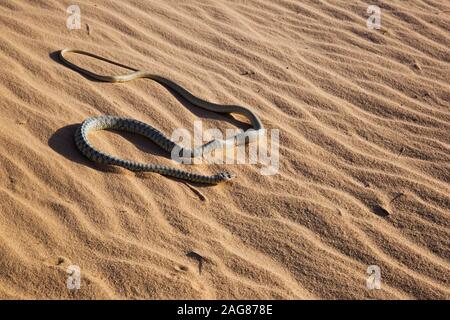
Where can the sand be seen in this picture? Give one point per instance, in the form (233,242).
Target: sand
(364,120)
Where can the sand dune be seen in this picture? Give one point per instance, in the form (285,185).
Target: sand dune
(364,120)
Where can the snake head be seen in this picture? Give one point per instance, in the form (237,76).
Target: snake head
(225,176)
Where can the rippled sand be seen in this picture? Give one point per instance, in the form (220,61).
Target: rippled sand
(364,120)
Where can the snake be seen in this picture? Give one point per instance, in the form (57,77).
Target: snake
(105,122)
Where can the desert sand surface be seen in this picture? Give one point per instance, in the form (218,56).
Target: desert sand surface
(364,153)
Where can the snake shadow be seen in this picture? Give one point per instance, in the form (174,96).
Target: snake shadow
(62,142)
(206,114)
(55,56)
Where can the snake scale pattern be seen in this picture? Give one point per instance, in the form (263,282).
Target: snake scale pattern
(134,126)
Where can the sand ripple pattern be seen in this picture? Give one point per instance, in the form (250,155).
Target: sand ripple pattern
(364,151)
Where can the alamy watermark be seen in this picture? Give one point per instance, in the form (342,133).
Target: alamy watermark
(235,147)
(74,20)
(374,279)
(374,20)
(73,281)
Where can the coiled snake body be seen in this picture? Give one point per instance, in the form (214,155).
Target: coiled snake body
(135,126)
